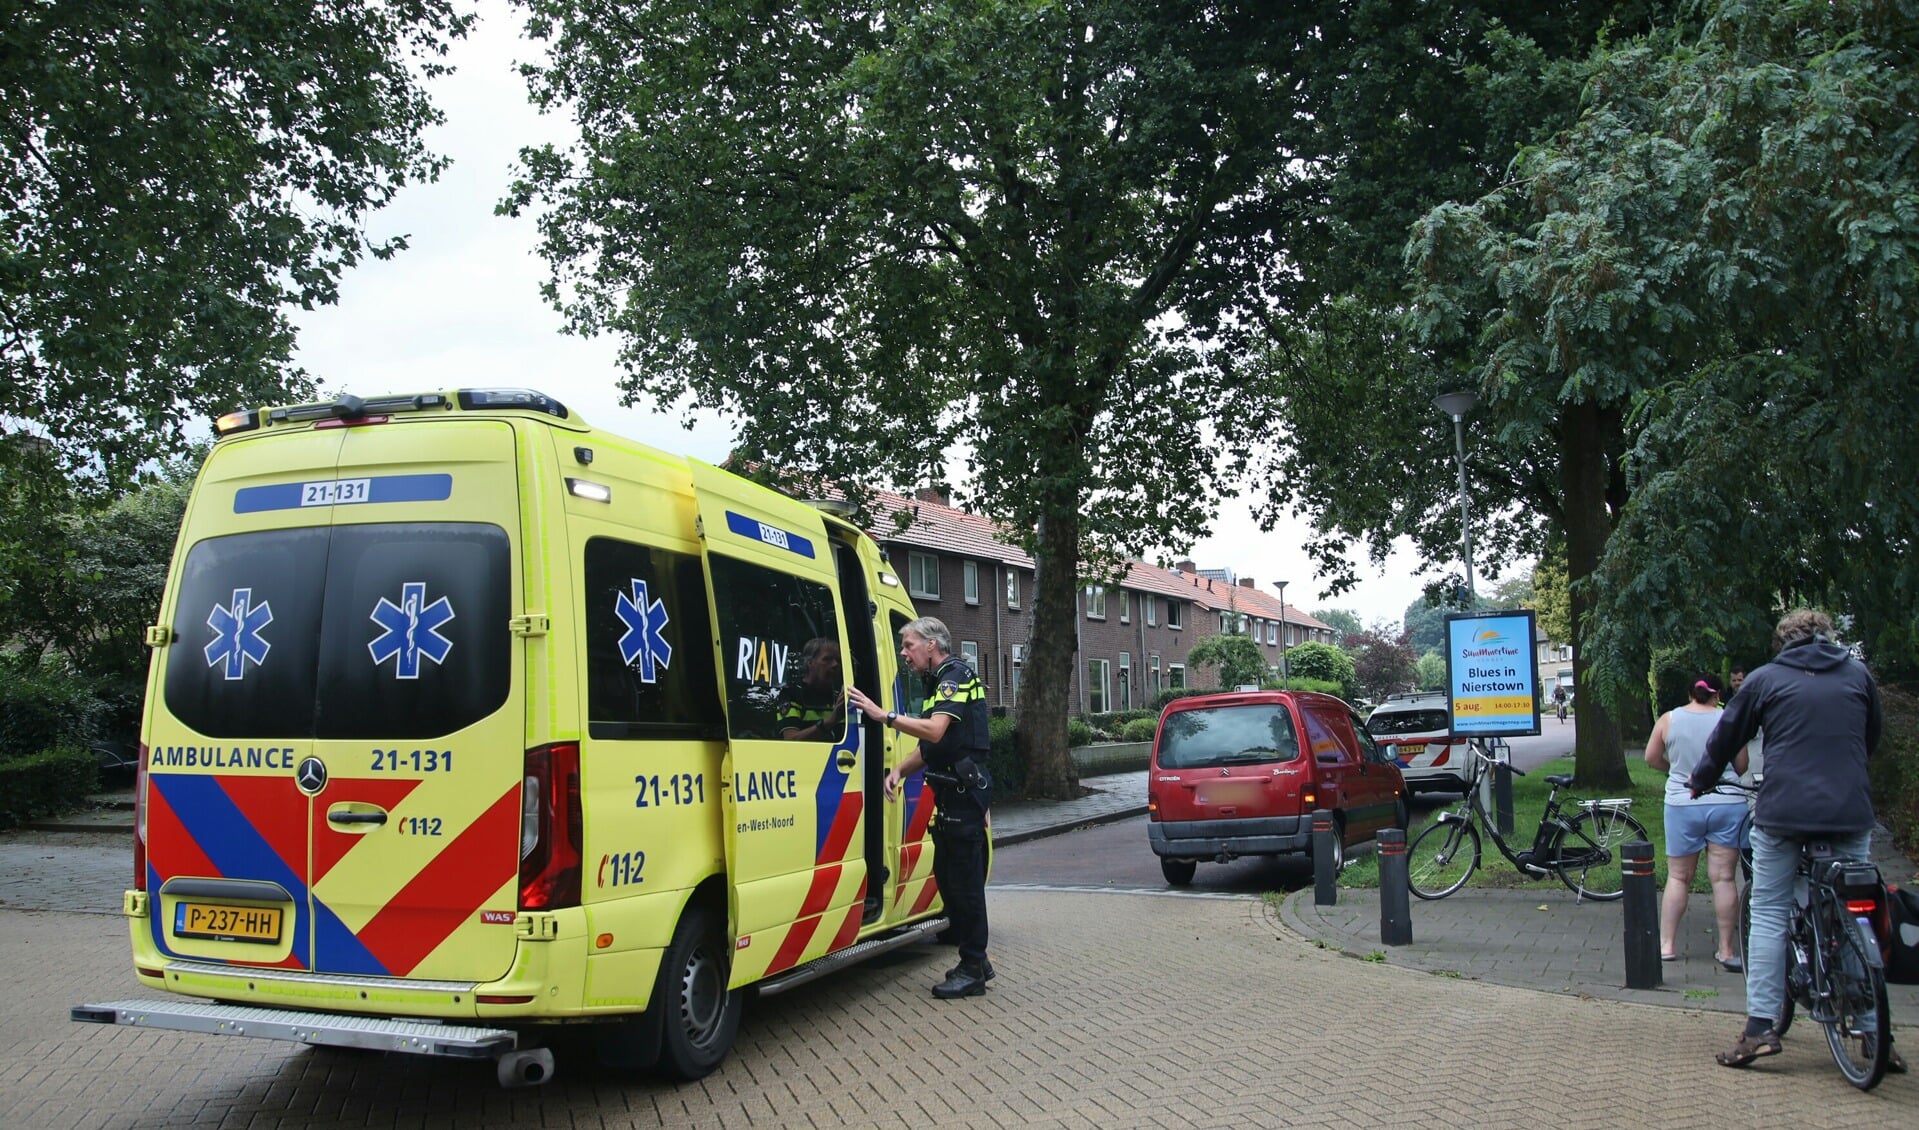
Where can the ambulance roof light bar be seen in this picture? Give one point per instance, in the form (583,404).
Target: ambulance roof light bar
(349,408)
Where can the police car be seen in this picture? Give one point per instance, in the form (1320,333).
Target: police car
(1414,729)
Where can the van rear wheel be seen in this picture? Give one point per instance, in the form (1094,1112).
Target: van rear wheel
(699,1014)
(1178,872)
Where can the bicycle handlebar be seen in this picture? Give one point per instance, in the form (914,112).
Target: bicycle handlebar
(1480,752)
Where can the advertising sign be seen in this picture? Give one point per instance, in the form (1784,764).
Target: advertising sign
(1492,673)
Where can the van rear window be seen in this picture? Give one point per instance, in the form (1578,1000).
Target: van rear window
(1388,724)
(388,631)
(1228,735)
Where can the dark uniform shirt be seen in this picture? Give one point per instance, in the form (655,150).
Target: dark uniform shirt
(801,706)
(956,691)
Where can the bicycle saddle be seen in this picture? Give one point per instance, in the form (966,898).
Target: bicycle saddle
(1561,780)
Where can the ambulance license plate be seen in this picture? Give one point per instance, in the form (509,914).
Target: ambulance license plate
(1410,749)
(227,923)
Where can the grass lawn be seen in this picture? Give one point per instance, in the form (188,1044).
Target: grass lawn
(1648,795)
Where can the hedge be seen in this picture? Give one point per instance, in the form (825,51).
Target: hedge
(44,706)
(1895,768)
(45,783)
(1002,758)
(1140,729)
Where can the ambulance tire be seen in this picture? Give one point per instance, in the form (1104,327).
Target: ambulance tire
(699,1014)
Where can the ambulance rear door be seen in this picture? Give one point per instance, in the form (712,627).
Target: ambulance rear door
(793,808)
(420,727)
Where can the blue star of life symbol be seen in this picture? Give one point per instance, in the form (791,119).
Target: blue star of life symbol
(236,633)
(642,640)
(412,630)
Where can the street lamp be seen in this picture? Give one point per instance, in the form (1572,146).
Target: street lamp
(1456,405)
(1285,678)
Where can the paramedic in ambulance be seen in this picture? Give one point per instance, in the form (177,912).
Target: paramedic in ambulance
(811,708)
(951,727)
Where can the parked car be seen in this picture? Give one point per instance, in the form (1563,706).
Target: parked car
(1414,728)
(1241,773)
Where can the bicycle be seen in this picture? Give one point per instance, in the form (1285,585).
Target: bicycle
(1834,968)
(1581,850)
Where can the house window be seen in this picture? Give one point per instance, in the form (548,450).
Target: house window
(1175,613)
(969,651)
(1012,590)
(1098,676)
(1176,676)
(1125,607)
(1095,602)
(923,575)
(1152,610)
(1226,623)
(1019,657)
(971,570)
(1155,675)
(1125,681)
(1272,632)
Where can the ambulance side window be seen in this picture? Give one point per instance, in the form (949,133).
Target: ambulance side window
(649,666)
(765,618)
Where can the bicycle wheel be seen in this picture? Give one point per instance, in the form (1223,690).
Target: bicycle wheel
(1586,855)
(1443,857)
(1860,1035)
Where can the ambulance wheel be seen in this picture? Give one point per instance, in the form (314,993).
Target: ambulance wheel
(698,1013)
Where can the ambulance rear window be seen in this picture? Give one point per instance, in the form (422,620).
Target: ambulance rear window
(383,631)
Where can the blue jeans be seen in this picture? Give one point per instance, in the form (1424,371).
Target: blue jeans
(1775,888)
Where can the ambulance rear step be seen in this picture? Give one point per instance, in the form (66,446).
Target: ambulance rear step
(516,1068)
(851,955)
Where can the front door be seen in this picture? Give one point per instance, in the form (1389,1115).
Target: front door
(791,781)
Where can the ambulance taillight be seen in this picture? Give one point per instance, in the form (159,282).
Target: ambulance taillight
(550,828)
(140,821)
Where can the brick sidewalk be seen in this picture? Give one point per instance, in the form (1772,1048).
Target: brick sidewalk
(1110,1012)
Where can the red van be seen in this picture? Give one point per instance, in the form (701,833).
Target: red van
(1241,773)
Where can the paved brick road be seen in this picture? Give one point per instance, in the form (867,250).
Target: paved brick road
(1111,1011)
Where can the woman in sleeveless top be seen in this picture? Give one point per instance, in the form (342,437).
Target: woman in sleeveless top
(1711,823)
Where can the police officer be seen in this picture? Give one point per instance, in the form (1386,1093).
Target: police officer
(951,727)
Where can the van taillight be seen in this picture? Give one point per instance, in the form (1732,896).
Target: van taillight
(550,831)
(140,821)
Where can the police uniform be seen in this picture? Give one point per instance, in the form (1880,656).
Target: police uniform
(959,826)
(801,706)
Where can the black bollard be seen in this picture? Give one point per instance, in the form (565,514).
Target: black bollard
(1395,907)
(1325,879)
(1642,915)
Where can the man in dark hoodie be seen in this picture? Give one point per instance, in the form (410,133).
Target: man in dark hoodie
(1820,712)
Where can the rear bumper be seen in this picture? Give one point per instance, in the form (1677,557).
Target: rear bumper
(1206,839)
(1433,780)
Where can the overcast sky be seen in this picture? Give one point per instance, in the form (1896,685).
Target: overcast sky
(461,308)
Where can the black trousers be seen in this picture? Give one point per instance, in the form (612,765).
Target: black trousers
(959,867)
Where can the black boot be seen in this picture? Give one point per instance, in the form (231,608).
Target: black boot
(957,969)
(962,982)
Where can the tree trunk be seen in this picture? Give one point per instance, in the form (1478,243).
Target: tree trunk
(1043,704)
(1599,758)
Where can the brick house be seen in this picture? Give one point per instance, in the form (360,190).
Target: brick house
(1132,638)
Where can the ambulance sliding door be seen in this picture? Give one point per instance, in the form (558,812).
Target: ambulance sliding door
(791,781)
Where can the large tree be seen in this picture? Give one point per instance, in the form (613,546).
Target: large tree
(173,178)
(1436,107)
(1024,236)
(1703,293)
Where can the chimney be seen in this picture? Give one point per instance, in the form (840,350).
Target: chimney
(1246,583)
(1186,567)
(935,494)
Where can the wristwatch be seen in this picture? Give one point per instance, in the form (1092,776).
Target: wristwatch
(892,716)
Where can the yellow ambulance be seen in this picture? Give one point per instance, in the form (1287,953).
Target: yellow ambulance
(466,719)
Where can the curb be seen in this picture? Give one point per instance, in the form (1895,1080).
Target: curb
(1104,817)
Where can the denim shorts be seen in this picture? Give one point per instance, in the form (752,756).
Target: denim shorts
(1690,826)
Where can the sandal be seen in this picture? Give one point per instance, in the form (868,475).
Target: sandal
(1750,1048)
(1895,1063)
